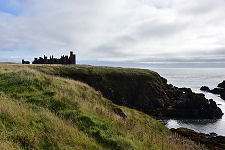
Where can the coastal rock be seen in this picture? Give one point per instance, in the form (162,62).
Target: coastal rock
(219,90)
(222,85)
(193,105)
(205,88)
(222,95)
(216,90)
(212,141)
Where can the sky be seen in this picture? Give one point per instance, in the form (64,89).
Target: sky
(133,33)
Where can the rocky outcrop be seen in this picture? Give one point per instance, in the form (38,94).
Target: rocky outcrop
(219,90)
(205,88)
(140,89)
(222,92)
(216,91)
(212,141)
(120,113)
(222,95)
(222,85)
(189,104)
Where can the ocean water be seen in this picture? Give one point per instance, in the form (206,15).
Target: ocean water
(194,79)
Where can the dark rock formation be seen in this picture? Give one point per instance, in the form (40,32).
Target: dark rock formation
(222,85)
(141,89)
(189,104)
(222,95)
(219,90)
(205,88)
(216,90)
(212,141)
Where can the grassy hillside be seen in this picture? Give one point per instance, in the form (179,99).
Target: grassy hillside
(39,111)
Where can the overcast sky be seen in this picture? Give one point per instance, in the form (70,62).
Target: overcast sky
(115,32)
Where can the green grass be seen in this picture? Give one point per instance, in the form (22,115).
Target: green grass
(39,111)
(24,127)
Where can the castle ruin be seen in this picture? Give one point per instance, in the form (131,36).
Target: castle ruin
(25,62)
(63,60)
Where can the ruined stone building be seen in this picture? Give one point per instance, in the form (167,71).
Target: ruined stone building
(63,60)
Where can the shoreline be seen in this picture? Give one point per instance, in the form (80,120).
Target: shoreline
(211,141)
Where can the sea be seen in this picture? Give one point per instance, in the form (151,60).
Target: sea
(194,78)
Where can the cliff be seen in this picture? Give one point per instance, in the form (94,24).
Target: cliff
(140,89)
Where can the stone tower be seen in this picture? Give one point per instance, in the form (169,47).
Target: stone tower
(72,58)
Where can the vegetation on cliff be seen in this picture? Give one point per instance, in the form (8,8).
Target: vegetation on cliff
(40,111)
(140,89)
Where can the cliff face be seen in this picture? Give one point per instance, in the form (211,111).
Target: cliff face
(141,89)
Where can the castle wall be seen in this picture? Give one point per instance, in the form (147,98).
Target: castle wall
(63,60)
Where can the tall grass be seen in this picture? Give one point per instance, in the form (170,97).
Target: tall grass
(39,111)
(24,127)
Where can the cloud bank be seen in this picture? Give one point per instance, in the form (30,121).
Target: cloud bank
(118,31)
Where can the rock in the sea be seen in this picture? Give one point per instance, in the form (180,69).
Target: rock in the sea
(219,90)
(222,85)
(212,141)
(188,104)
(217,112)
(222,95)
(216,90)
(205,88)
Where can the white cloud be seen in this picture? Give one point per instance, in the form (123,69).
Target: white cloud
(115,30)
